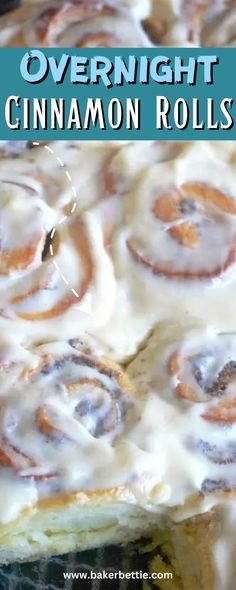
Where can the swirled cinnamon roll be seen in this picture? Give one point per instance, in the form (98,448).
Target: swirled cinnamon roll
(25,221)
(194,371)
(188,377)
(174,251)
(122,167)
(185,216)
(69,475)
(77,23)
(114,166)
(54,270)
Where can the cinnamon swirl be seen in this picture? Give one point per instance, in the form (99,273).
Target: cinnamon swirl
(54,270)
(70,475)
(174,251)
(190,374)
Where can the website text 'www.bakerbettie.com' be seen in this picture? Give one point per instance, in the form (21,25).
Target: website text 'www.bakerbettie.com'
(118,575)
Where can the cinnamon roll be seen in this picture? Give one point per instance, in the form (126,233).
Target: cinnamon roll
(54,270)
(194,370)
(70,475)
(183,215)
(174,251)
(187,374)
(77,23)
(178,210)
(122,167)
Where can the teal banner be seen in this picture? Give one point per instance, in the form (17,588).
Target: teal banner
(110,94)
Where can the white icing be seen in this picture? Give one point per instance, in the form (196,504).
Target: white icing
(195,453)
(39,285)
(148,298)
(15,496)
(86,445)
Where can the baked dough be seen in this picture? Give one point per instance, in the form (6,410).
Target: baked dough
(70,477)
(171,245)
(54,257)
(190,369)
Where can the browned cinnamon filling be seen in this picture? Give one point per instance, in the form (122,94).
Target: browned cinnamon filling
(95,395)
(23,258)
(218,455)
(188,370)
(185,213)
(206,376)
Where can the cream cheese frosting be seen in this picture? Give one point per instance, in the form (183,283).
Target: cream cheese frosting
(191,374)
(72,421)
(170,219)
(149,261)
(65,420)
(63,292)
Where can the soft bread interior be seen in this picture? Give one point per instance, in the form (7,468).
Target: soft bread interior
(51,530)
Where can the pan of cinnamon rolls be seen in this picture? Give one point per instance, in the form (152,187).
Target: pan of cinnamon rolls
(118,319)
(117,349)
